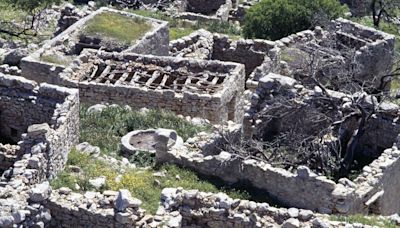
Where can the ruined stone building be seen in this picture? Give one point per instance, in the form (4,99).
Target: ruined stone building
(214,77)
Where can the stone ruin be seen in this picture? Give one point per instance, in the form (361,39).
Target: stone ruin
(204,10)
(344,44)
(205,45)
(206,89)
(149,141)
(205,76)
(65,47)
(40,125)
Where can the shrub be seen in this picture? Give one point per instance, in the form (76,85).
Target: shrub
(274,19)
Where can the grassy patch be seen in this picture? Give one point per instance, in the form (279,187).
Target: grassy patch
(106,128)
(141,183)
(180,28)
(366,220)
(117,26)
(55,59)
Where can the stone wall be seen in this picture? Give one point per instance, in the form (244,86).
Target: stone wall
(200,209)
(95,209)
(189,93)
(20,108)
(42,151)
(202,44)
(8,155)
(63,47)
(204,10)
(373,191)
(373,51)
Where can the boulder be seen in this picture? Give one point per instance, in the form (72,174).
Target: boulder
(40,192)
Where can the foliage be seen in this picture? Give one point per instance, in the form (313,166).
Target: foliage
(365,220)
(30,5)
(274,19)
(141,183)
(22,17)
(383,9)
(106,128)
(117,26)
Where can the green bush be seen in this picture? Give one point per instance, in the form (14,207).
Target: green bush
(274,19)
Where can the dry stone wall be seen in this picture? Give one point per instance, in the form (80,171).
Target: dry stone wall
(64,47)
(204,10)
(370,192)
(202,44)
(200,209)
(42,151)
(372,50)
(206,89)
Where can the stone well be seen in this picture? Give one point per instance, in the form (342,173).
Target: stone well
(149,141)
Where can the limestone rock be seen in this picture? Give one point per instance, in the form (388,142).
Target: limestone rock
(98,182)
(40,192)
(124,200)
(85,147)
(291,223)
(96,109)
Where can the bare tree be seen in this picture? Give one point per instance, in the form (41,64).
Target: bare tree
(381,9)
(31,12)
(322,129)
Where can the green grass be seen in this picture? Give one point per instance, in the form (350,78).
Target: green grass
(106,128)
(141,183)
(180,28)
(55,59)
(117,26)
(366,220)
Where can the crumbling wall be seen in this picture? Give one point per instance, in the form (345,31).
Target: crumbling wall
(201,209)
(202,44)
(8,156)
(20,108)
(370,50)
(204,10)
(186,94)
(94,209)
(251,53)
(42,151)
(317,192)
(154,42)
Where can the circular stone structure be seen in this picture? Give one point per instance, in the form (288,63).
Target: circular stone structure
(148,141)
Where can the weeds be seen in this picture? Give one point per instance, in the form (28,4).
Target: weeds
(106,128)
